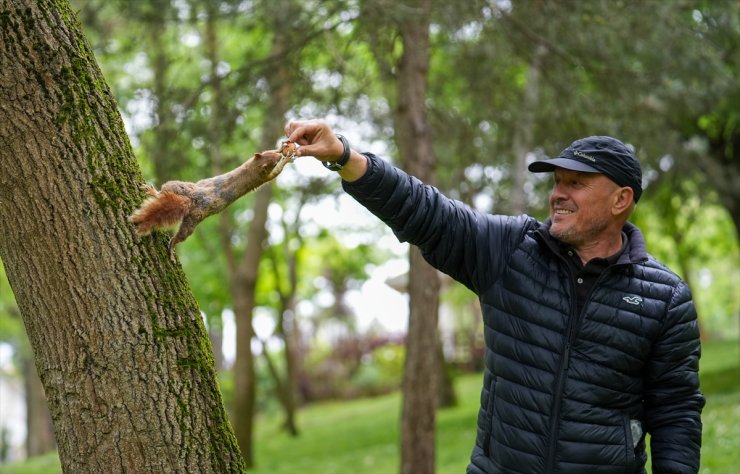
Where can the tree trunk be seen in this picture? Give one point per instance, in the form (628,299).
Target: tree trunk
(243,288)
(243,296)
(167,163)
(522,142)
(291,337)
(280,81)
(244,382)
(118,339)
(446,397)
(415,144)
(39,430)
(287,328)
(216,336)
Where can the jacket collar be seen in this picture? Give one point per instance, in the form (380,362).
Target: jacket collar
(636,252)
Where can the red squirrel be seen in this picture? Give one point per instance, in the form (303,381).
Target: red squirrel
(187,204)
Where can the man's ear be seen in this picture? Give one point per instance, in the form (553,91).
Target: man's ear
(622,201)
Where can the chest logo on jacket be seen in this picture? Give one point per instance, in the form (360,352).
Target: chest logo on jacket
(635,300)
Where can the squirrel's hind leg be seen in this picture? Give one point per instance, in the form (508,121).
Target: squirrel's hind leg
(187,226)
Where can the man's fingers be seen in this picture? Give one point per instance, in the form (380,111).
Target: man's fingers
(314,137)
(305,150)
(294,128)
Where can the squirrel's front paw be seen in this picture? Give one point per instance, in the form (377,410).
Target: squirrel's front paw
(149,189)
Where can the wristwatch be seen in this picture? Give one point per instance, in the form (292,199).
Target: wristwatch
(339,164)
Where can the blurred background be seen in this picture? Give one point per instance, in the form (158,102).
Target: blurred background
(203,84)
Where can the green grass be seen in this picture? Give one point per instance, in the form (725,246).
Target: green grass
(361,436)
(45,464)
(720,381)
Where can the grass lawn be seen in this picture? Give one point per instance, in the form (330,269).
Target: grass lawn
(361,436)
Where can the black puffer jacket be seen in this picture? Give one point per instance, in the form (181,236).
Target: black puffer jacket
(562,392)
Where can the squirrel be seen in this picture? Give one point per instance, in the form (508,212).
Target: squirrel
(187,204)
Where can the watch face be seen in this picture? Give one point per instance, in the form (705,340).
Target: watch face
(333,166)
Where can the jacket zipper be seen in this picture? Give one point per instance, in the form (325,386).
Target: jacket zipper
(560,382)
(573,323)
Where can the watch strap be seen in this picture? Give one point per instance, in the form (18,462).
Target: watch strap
(339,164)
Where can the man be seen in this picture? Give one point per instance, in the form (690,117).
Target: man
(590,342)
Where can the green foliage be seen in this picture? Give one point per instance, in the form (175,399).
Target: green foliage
(607,68)
(685,228)
(11,327)
(12,331)
(381,370)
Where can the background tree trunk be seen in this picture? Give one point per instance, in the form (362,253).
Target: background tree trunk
(39,430)
(167,163)
(243,286)
(415,145)
(522,142)
(244,382)
(117,336)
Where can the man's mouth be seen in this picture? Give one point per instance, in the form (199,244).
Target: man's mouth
(563,211)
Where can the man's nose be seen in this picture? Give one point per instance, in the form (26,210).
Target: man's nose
(558,192)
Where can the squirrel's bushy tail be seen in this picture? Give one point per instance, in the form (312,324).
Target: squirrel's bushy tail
(166,209)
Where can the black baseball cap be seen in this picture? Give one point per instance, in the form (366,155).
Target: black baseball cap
(598,154)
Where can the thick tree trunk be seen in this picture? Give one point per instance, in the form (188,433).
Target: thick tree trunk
(118,339)
(415,144)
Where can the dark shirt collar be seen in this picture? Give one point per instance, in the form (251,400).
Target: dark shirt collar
(632,251)
(568,252)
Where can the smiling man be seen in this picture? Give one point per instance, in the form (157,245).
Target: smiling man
(591,343)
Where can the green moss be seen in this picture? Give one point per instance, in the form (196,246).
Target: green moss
(183,408)
(191,362)
(160,332)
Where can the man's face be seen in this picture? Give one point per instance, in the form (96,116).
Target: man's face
(580,207)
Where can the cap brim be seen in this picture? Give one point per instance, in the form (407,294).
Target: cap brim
(566,163)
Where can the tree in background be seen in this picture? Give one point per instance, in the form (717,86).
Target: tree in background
(118,340)
(409,30)
(39,430)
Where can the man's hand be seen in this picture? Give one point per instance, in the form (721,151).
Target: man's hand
(315,138)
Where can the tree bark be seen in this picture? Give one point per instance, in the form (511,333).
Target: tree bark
(415,144)
(118,339)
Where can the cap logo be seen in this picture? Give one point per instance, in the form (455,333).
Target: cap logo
(583,155)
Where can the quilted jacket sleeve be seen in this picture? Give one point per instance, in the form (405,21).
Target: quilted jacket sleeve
(673,402)
(467,245)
